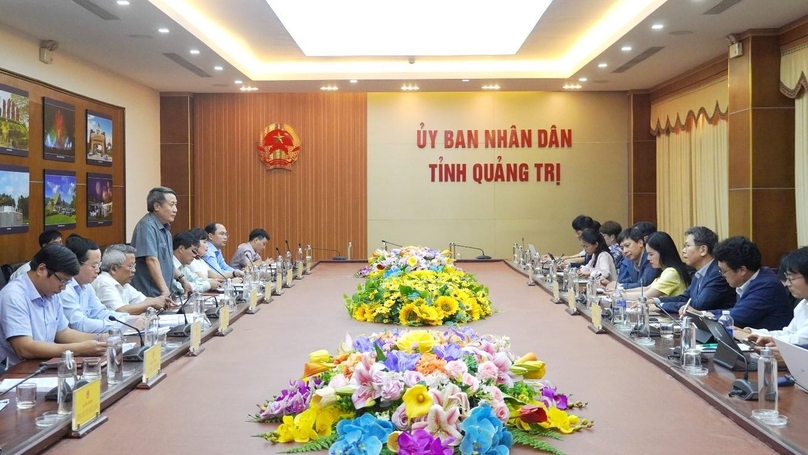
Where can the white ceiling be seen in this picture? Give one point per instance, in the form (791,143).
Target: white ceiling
(248,40)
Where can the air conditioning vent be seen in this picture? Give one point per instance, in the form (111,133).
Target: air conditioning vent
(186,64)
(97,10)
(647,53)
(722,6)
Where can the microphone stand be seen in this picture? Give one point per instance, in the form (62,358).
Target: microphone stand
(742,388)
(338,257)
(40,370)
(134,354)
(181,330)
(391,243)
(212,267)
(482,256)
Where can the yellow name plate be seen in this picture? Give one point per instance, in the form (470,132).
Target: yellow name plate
(151,362)
(299,269)
(278,280)
(253,298)
(556,291)
(308,264)
(597,313)
(86,404)
(196,333)
(224,319)
(289,276)
(571,299)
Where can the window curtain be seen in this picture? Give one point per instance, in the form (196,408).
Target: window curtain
(793,83)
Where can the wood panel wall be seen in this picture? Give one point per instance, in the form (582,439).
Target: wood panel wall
(321,201)
(22,246)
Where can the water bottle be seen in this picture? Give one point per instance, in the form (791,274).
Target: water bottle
(152,327)
(230,295)
(67,379)
(619,305)
(726,321)
(199,311)
(114,356)
(767,387)
(688,336)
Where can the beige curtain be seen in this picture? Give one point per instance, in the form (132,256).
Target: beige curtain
(692,177)
(793,83)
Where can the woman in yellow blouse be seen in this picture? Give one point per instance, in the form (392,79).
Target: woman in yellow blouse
(662,254)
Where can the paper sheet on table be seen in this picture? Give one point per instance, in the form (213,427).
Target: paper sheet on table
(42,384)
(172,320)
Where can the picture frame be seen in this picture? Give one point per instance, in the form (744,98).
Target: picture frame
(15,134)
(58,130)
(15,190)
(99,199)
(60,199)
(99,138)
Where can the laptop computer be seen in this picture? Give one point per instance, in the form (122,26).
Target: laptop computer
(728,353)
(703,334)
(796,359)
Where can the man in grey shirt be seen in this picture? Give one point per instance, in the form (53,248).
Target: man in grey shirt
(152,239)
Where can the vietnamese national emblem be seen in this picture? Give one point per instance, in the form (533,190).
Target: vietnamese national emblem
(279,146)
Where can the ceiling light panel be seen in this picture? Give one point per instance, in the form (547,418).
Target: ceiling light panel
(422,28)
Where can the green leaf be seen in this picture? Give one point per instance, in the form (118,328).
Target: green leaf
(323,443)
(534,441)
(380,357)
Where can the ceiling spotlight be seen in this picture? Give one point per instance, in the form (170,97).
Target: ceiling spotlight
(602,65)
(657,27)
(465,80)
(195,51)
(353,81)
(491,87)
(218,67)
(237,81)
(569,86)
(162,30)
(329,88)
(625,48)
(123,2)
(248,89)
(408,87)
(582,79)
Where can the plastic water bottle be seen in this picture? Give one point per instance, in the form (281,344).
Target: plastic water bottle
(230,295)
(726,321)
(688,336)
(152,327)
(619,305)
(767,387)
(66,380)
(114,356)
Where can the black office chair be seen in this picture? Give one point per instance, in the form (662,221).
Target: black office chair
(7,270)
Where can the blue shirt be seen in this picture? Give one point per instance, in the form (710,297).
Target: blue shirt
(215,259)
(632,276)
(24,312)
(84,312)
(152,239)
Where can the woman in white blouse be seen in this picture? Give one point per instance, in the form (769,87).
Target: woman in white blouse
(602,264)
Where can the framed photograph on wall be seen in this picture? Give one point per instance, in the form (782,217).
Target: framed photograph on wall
(58,130)
(99,199)
(99,139)
(14,133)
(14,196)
(60,199)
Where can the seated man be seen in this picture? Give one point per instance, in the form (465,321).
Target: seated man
(796,332)
(185,245)
(200,267)
(112,285)
(708,290)
(642,273)
(47,237)
(249,254)
(217,239)
(83,310)
(762,301)
(32,322)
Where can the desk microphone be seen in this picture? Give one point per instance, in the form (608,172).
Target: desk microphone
(181,330)
(277,250)
(288,250)
(391,243)
(742,388)
(42,367)
(338,257)
(212,267)
(134,354)
(481,257)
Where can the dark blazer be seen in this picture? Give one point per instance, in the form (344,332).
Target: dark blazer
(763,305)
(631,277)
(711,292)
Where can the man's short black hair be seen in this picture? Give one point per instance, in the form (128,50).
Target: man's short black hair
(737,252)
(703,236)
(623,235)
(47,236)
(582,222)
(797,261)
(80,246)
(258,234)
(57,258)
(211,228)
(645,228)
(185,239)
(611,228)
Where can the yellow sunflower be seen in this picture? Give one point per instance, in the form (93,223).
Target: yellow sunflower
(447,305)
(409,314)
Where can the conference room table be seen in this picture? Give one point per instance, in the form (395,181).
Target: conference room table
(638,404)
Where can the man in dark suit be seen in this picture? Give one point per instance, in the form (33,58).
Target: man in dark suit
(636,271)
(708,290)
(762,300)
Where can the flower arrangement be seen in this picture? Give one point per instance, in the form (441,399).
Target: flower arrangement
(421,392)
(417,286)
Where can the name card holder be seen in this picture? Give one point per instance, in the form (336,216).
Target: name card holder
(152,373)
(253,308)
(556,294)
(196,340)
(299,270)
(597,319)
(290,276)
(86,409)
(572,308)
(278,283)
(224,323)
(308,266)
(269,290)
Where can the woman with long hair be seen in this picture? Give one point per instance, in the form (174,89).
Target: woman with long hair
(601,263)
(663,254)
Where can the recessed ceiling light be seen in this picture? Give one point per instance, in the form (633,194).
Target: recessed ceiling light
(582,79)
(353,81)
(195,51)
(123,2)
(491,87)
(409,87)
(602,65)
(162,30)
(218,67)
(625,48)
(248,89)
(657,27)
(465,80)
(572,86)
(237,81)
(329,88)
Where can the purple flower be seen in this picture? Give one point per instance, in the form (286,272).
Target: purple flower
(420,442)
(400,361)
(448,352)
(363,344)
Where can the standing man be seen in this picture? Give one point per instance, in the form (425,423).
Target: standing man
(152,240)
(249,253)
(32,322)
(217,239)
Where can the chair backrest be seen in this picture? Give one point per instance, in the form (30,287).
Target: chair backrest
(3,281)
(7,270)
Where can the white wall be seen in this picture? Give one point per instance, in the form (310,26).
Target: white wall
(20,53)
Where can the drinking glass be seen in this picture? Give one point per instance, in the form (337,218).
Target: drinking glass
(26,395)
(692,362)
(91,368)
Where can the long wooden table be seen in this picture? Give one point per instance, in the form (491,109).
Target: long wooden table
(203,404)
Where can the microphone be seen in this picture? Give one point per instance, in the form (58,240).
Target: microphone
(181,330)
(42,367)
(134,354)
(481,257)
(288,250)
(338,257)
(211,266)
(391,243)
(742,388)
(277,250)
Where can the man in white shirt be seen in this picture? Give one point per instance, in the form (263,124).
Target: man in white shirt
(796,332)
(112,285)
(47,237)
(185,250)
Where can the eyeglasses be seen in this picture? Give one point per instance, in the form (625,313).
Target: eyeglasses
(791,278)
(96,266)
(131,268)
(62,281)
